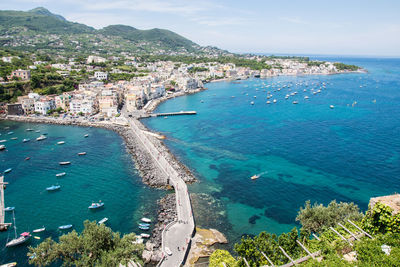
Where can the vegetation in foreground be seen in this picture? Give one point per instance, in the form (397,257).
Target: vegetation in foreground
(318,219)
(97,245)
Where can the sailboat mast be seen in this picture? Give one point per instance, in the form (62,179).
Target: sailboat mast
(15,227)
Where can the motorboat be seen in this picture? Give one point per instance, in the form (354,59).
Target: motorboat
(252,102)
(2,141)
(61,174)
(306,97)
(144,227)
(81,153)
(10,132)
(332,106)
(39,230)
(96,205)
(8,170)
(143,235)
(295,102)
(9,209)
(29,129)
(11,264)
(26,140)
(268,102)
(14,138)
(256,176)
(65,162)
(144,224)
(2,147)
(40,138)
(146,220)
(53,188)
(27,158)
(37,131)
(65,227)
(104,220)
(86,135)
(61,143)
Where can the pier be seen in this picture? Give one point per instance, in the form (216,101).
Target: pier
(174,113)
(3,226)
(176,237)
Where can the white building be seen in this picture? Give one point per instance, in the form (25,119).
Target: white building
(99,75)
(45,104)
(95,59)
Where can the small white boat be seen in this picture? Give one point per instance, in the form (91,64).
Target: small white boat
(96,205)
(86,135)
(26,140)
(39,230)
(40,138)
(65,162)
(29,129)
(37,131)
(146,220)
(306,97)
(17,241)
(81,153)
(8,170)
(252,102)
(2,141)
(61,143)
(144,235)
(274,101)
(14,138)
(53,188)
(256,176)
(10,132)
(64,227)
(332,106)
(2,147)
(295,102)
(9,209)
(104,220)
(11,264)
(61,174)
(268,102)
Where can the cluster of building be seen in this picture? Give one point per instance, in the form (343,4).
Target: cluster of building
(158,79)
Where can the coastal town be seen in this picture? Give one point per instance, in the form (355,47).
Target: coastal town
(98,98)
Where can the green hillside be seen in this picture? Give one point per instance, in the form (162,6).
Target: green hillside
(41,30)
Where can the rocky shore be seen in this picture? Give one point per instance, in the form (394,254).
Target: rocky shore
(166,215)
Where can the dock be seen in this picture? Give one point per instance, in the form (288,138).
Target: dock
(192,112)
(3,226)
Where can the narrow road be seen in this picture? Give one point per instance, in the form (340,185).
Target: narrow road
(177,235)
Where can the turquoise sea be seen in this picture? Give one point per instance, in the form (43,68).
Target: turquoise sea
(307,151)
(105,173)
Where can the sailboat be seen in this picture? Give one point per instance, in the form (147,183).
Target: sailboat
(18,240)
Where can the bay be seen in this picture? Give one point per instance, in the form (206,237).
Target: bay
(304,151)
(105,173)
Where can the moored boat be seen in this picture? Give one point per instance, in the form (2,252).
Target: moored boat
(295,102)
(39,230)
(14,138)
(61,143)
(104,220)
(8,170)
(81,153)
(2,141)
(144,224)
(96,205)
(9,209)
(26,140)
(86,135)
(27,158)
(144,235)
(40,138)
(29,129)
(144,227)
(61,174)
(2,147)
(332,106)
(64,227)
(18,240)
(146,220)
(11,264)
(10,132)
(65,162)
(53,187)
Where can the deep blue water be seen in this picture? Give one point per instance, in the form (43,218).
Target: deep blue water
(106,173)
(304,152)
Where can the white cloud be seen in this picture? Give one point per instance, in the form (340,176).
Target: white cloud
(294,20)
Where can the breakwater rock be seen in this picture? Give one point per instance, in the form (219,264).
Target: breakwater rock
(166,215)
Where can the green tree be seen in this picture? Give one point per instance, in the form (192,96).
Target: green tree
(317,218)
(97,245)
(222,256)
(380,219)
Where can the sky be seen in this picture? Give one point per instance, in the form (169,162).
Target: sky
(351,27)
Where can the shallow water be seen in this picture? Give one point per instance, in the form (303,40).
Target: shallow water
(304,151)
(105,173)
